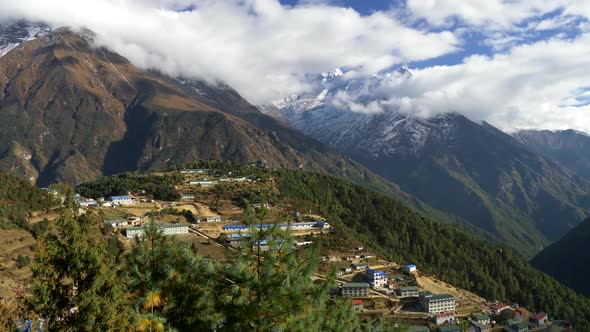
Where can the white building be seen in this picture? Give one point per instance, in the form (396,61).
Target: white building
(116,223)
(174,229)
(166,229)
(376,279)
(442,318)
(214,219)
(409,291)
(436,304)
(410,268)
(203,182)
(133,232)
(121,200)
(356,289)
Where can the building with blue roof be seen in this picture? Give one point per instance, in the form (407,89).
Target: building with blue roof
(375,278)
(410,268)
(121,200)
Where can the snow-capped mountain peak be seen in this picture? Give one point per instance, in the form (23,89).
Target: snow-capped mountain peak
(12,35)
(337,72)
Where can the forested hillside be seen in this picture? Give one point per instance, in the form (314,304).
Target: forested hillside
(444,250)
(17,198)
(567,259)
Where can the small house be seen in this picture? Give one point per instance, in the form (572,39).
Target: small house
(451,328)
(214,219)
(445,317)
(481,319)
(360,266)
(357,304)
(410,268)
(187,196)
(539,319)
(498,308)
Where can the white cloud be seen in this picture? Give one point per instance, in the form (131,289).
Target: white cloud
(256,46)
(542,85)
(489,14)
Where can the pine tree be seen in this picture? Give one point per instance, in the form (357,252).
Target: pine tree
(75,286)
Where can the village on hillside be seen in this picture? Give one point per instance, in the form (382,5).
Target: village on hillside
(376,287)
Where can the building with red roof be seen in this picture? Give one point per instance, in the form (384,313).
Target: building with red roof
(540,319)
(446,317)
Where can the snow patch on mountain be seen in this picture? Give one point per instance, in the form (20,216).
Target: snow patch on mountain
(13,35)
(350,115)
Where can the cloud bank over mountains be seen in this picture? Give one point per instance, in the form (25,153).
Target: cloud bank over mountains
(522,64)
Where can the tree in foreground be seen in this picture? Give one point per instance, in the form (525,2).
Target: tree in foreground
(75,285)
(265,286)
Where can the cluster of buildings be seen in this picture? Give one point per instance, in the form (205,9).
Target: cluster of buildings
(292,226)
(111,201)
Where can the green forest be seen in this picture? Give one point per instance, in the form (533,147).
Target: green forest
(567,259)
(159,186)
(447,251)
(18,199)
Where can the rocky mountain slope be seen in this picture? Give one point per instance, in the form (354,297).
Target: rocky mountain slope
(70,112)
(472,171)
(567,259)
(571,148)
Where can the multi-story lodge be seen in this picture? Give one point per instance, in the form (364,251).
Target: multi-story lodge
(357,289)
(375,278)
(436,304)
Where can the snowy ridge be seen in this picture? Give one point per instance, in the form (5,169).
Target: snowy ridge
(13,35)
(319,114)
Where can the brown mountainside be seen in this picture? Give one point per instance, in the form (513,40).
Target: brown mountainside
(70,112)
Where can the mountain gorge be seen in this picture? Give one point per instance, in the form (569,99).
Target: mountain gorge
(475,172)
(569,147)
(567,259)
(71,112)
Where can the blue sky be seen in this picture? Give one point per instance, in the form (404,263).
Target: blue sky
(474,40)
(364,7)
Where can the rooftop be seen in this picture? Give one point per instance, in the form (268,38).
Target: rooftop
(355,285)
(441,297)
(121,197)
(445,314)
(409,289)
(481,317)
(540,315)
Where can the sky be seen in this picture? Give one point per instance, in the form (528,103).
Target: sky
(515,64)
